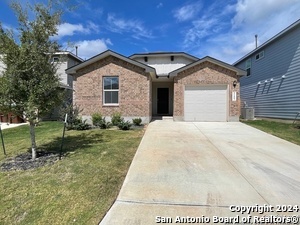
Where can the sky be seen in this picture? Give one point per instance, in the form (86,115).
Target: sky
(223,29)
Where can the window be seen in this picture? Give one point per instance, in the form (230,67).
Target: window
(248,67)
(260,55)
(55,59)
(111,90)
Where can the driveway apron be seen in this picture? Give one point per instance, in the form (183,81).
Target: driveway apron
(195,169)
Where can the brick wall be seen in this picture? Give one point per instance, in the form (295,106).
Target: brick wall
(134,89)
(204,74)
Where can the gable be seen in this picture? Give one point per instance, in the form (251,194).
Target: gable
(111,65)
(102,56)
(211,63)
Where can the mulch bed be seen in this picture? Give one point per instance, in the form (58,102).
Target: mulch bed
(24,162)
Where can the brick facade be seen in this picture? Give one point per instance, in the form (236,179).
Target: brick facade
(206,73)
(134,89)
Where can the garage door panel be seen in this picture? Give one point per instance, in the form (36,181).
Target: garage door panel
(205,103)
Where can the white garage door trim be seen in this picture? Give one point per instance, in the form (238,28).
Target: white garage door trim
(206,103)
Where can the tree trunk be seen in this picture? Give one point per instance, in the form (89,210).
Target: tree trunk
(32,137)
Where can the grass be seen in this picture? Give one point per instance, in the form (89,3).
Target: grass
(78,189)
(282,130)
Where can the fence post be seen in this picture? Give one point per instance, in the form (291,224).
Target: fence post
(63,136)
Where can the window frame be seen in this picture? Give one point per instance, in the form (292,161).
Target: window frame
(248,65)
(110,90)
(260,55)
(55,59)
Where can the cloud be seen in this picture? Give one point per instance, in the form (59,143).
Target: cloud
(135,27)
(68,29)
(187,12)
(251,12)
(160,5)
(229,34)
(200,29)
(90,48)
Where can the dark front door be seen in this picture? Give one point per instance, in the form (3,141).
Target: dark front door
(162,100)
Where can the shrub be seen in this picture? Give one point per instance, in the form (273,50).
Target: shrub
(116,118)
(96,119)
(137,121)
(83,126)
(73,120)
(100,121)
(78,124)
(73,112)
(124,125)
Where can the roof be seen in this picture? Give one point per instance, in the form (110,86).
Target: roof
(277,36)
(164,54)
(70,54)
(105,54)
(239,72)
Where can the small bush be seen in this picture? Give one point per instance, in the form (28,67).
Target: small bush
(83,126)
(73,112)
(100,121)
(137,121)
(116,118)
(124,125)
(96,119)
(78,124)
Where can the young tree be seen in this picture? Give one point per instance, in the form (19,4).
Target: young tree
(30,85)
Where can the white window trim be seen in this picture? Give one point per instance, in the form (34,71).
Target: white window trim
(248,66)
(55,57)
(261,55)
(103,96)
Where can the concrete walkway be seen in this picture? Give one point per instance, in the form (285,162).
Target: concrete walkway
(11,125)
(185,169)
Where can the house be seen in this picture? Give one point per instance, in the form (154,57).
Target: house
(64,60)
(2,66)
(272,83)
(172,84)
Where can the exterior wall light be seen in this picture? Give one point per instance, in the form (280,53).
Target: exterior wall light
(259,83)
(234,83)
(271,80)
(283,76)
(266,81)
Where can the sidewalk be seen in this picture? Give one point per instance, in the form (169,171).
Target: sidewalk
(10,125)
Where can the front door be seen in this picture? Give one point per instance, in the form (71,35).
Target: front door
(162,100)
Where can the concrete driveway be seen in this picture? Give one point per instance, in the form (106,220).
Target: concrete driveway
(194,170)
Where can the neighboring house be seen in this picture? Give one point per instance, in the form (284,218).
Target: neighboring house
(157,84)
(272,83)
(2,66)
(64,60)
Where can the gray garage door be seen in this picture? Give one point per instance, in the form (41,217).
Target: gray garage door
(205,103)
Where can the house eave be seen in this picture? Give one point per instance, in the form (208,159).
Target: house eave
(156,54)
(74,69)
(70,54)
(238,71)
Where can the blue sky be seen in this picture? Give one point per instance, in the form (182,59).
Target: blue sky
(223,29)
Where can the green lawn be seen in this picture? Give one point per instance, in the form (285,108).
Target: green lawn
(285,131)
(78,189)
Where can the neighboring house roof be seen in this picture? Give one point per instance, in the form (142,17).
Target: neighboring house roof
(69,54)
(239,72)
(73,69)
(280,34)
(64,86)
(164,54)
